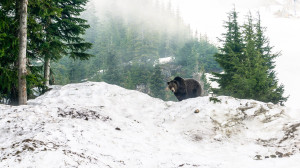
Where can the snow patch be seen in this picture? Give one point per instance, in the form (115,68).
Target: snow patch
(100,125)
(165,60)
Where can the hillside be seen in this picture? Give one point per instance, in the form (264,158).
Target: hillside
(100,125)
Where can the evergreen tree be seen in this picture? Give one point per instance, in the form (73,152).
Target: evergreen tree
(157,84)
(129,83)
(54,30)
(206,52)
(113,74)
(250,73)
(65,31)
(8,52)
(22,59)
(206,88)
(43,45)
(250,68)
(262,44)
(187,58)
(230,52)
(10,13)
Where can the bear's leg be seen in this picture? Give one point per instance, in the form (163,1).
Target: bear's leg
(181,97)
(195,92)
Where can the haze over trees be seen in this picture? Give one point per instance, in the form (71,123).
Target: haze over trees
(129,37)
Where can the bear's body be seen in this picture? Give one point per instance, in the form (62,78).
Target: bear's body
(185,88)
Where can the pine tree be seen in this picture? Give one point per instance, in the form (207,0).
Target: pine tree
(65,32)
(157,84)
(187,58)
(8,52)
(22,72)
(54,30)
(250,68)
(250,72)
(9,45)
(57,32)
(206,88)
(129,83)
(262,44)
(230,52)
(113,74)
(206,52)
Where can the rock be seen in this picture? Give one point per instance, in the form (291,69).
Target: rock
(257,157)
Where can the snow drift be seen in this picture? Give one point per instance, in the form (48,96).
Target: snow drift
(100,125)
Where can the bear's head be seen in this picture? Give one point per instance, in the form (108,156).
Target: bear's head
(173,86)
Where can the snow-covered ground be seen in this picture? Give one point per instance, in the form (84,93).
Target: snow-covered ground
(100,125)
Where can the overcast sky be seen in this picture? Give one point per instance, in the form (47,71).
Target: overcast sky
(207,16)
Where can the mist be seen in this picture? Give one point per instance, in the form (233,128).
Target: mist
(142,30)
(150,12)
(129,38)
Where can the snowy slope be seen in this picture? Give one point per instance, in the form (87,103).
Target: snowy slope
(101,125)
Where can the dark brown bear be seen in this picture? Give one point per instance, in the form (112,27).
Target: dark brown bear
(184,88)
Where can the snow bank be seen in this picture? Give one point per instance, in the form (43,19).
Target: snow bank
(100,125)
(165,60)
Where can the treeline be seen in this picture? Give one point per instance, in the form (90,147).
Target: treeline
(248,62)
(128,42)
(54,30)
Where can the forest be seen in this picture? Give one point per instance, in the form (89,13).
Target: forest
(127,46)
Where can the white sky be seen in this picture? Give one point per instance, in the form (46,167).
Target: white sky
(207,16)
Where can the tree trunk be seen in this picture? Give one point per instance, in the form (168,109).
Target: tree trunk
(47,71)
(22,72)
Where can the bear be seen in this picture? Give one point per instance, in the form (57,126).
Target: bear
(185,88)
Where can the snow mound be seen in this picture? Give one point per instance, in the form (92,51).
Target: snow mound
(100,125)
